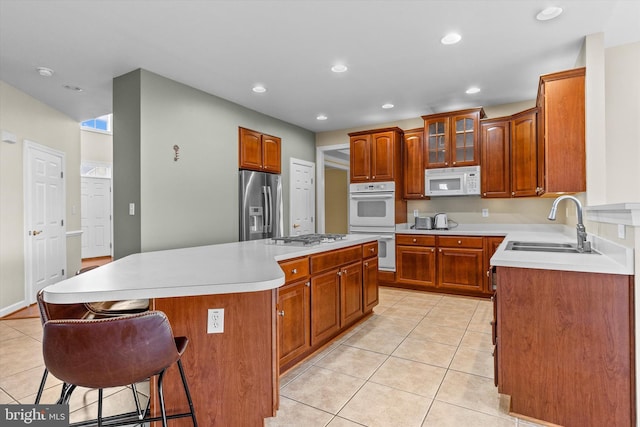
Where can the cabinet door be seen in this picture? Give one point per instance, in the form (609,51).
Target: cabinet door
(460,269)
(271,153)
(562,132)
(416,265)
(490,246)
(250,147)
(293,320)
(350,293)
(360,158)
(524,164)
(413,164)
(370,283)
(325,306)
(495,174)
(464,139)
(436,134)
(382,156)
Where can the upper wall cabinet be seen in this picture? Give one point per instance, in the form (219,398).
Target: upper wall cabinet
(452,139)
(258,151)
(509,156)
(561,132)
(413,164)
(375,155)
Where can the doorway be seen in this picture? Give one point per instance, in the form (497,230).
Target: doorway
(333,188)
(44,213)
(95,199)
(301,197)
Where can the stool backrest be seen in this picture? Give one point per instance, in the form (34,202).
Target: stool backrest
(59,311)
(112,352)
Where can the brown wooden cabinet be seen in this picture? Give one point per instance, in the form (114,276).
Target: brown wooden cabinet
(566,346)
(293,308)
(413,164)
(509,156)
(452,264)
(491,244)
(369,276)
(416,260)
(460,264)
(324,294)
(375,155)
(257,151)
(452,138)
(561,132)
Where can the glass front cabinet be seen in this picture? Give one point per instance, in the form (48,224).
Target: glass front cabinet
(452,138)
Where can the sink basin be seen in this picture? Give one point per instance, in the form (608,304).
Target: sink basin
(566,248)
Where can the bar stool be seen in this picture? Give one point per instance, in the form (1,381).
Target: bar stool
(115,308)
(115,352)
(75,311)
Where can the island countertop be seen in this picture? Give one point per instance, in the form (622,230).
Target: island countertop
(203,270)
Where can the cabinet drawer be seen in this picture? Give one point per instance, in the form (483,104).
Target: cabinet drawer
(335,258)
(415,239)
(460,242)
(369,249)
(295,269)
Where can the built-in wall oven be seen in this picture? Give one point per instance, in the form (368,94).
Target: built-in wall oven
(372,211)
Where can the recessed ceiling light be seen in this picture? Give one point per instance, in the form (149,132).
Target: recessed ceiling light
(339,68)
(44,71)
(73,88)
(387,106)
(321,117)
(259,89)
(451,38)
(472,90)
(549,13)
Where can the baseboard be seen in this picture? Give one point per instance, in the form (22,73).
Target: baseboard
(5,311)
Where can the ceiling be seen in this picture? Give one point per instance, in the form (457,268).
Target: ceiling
(392,50)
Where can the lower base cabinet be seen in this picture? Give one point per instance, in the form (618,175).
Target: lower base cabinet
(565,342)
(323,295)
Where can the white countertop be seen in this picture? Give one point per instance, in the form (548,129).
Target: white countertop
(611,258)
(203,270)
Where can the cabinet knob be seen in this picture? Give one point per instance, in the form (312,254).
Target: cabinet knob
(488,273)
(453,163)
(433,250)
(281,313)
(294,271)
(307,284)
(513,193)
(366,264)
(373,177)
(459,242)
(372,249)
(440,250)
(484,194)
(339,273)
(415,240)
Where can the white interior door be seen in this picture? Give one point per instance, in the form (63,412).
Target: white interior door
(302,200)
(96,216)
(46,244)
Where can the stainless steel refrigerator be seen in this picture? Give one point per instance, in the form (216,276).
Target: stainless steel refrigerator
(260,205)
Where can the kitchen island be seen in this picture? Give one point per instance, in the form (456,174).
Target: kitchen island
(233,375)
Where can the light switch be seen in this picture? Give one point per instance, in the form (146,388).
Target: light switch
(132,208)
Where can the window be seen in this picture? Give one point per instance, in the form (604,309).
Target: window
(99,124)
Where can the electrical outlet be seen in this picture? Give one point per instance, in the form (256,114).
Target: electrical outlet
(485,213)
(415,213)
(215,320)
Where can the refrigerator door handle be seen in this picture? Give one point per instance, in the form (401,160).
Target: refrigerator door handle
(266,209)
(270,209)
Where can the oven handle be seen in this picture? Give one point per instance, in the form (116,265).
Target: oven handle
(372,196)
(387,237)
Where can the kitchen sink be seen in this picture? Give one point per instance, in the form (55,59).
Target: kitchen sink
(567,248)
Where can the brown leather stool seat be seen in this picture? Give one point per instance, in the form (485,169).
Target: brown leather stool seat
(114,352)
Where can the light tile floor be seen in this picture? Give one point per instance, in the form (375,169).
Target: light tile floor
(421,360)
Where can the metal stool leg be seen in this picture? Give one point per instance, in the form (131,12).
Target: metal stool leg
(161,398)
(186,390)
(42,383)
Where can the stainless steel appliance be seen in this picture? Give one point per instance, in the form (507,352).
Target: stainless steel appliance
(423,223)
(260,205)
(308,239)
(372,211)
(460,181)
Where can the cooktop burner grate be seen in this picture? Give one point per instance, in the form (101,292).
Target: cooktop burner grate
(309,239)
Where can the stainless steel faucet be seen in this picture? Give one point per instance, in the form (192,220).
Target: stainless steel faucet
(583,245)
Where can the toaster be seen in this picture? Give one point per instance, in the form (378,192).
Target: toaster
(423,223)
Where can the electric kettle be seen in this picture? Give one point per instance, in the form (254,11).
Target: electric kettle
(440,221)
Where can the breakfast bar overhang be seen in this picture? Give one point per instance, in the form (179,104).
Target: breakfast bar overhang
(233,375)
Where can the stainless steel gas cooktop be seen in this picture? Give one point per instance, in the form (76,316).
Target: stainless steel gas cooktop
(308,239)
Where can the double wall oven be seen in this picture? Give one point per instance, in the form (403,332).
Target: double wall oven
(372,211)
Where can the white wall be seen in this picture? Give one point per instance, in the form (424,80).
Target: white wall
(30,119)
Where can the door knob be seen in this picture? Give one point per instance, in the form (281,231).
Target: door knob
(296,225)
(35,233)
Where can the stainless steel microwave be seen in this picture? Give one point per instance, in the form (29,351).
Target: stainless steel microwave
(460,181)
